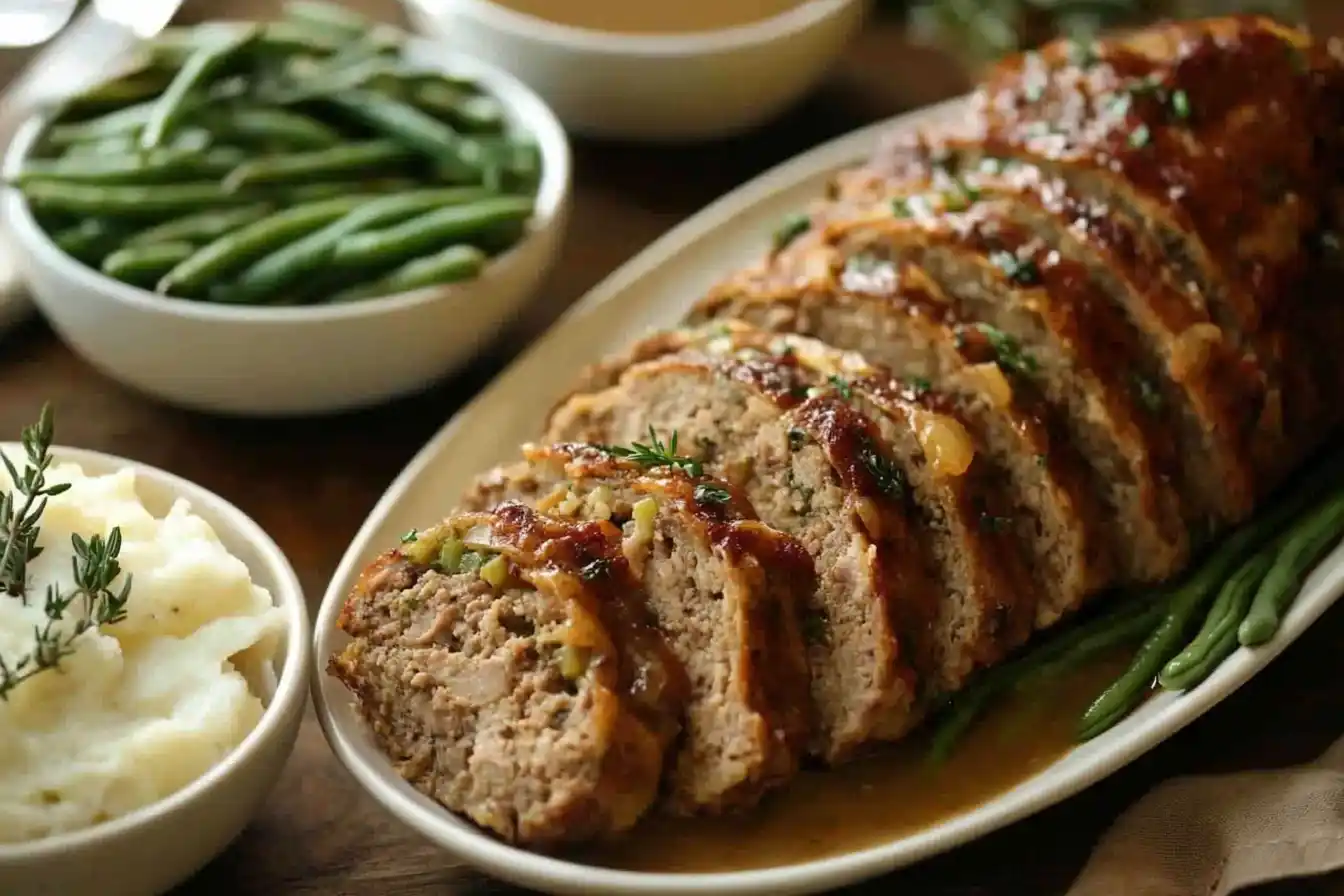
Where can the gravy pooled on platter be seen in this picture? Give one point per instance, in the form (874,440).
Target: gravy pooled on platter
(623,16)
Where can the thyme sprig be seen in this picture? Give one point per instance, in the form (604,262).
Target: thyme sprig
(94,567)
(656,454)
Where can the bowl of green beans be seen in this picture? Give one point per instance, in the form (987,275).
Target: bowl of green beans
(306,215)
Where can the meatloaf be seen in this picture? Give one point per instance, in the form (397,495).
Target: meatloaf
(507,665)
(816,468)
(725,590)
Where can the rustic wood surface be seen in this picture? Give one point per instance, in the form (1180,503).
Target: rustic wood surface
(311,482)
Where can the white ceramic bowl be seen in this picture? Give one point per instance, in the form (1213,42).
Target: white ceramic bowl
(151,850)
(297,360)
(655,87)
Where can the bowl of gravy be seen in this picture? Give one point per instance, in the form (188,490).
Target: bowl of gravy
(654,71)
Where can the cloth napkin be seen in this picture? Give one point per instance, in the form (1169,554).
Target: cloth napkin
(1214,835)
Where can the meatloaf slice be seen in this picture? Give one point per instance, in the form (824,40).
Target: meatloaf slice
(507,666)
(1033,313)
(990,603)
(1200,383)
(816,469)
(896,322)
(726,591)
(1167,129)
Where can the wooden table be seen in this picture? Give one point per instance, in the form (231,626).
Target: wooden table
(311,482)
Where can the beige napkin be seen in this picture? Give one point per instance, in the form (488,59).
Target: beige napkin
(1210,836)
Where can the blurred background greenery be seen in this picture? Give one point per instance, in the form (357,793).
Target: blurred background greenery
(979,31)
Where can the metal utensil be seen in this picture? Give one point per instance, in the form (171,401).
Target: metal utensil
(76,59)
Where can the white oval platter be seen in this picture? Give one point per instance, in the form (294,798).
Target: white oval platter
(654,290)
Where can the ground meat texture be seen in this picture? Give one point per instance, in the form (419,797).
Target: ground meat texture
(1190,377)
(814,468)
(898,321)
(1167,129)
(726,591)
(540,705)
(988,604)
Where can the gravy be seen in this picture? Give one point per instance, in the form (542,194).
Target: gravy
(877,799)
(650,17)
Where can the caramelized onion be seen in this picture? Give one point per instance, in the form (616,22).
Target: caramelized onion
(947,446)
(988,380)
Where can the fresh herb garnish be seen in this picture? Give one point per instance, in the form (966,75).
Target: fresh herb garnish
(705,493)
(900,207)
(1180,104)
(1023,272)
(1008,352)
(1148,393)
(1082,53)
(890,481)
(595,569)
(409,536)
(656,454)
(815,624)
(95,565)
(841,385)
(919,385)
(797,438)
(1140,136)
(794,226)
(994,524)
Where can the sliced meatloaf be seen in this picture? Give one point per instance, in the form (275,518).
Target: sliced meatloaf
(506,664)
(726,591)
(895,320)
(817,469)
(1200,383)
(1033,313)
(989,604)
(1169,129)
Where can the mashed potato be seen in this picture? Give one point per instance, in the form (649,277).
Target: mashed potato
(145,706)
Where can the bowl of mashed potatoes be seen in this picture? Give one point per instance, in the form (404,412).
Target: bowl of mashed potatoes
(139,755)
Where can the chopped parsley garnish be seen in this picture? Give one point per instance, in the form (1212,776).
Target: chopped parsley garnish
(815,624)
(656,454)
(890,481)
(711,494)
(919,385)
(1041,460)
(794,226)
(1023,272)
(1008,352)
(900,207)
(1140,137)
(1082,53)
(841,385)
(410,536)
(1149,396)
(595,569)
(797,438)
(1180,104)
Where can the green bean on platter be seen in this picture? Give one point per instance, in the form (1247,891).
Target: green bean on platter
(1242,588)
(256,146)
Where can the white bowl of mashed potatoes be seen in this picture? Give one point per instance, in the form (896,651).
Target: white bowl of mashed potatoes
(157,738)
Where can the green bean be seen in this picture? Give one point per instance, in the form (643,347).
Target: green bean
(327,15)
(451,265)
(459,158)
(292,263)
(323,81)
(142,83)
(107,146)
(428,232)
(129,120)
(320,164)
(1189,597)
(131,200)
(89,240)
(1303,548)
(144,265)
(514,164)
(1128,623)
(474,112)
(1218,636)
(201,227)
(200,66)
(174,46)
(236,250)
(135,168)
(333,189)
(275,126)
